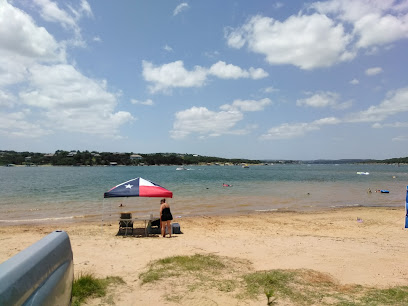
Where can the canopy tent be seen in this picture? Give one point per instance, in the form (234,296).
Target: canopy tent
(138,187)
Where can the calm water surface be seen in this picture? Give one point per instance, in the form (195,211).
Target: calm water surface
(41,194)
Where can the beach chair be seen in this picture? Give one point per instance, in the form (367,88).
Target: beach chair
(126,222)
(154,226)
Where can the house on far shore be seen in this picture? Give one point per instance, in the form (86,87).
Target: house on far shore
(135,157)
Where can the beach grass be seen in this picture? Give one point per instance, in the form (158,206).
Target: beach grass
(177,265)
(201,273)
(88,286)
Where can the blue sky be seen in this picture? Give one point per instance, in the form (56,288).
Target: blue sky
(245,79)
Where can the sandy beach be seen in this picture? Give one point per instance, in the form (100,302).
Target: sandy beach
(369,251)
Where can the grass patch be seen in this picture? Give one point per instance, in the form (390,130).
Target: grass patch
(87,286)
(178,265)
(390,296)
(233,277)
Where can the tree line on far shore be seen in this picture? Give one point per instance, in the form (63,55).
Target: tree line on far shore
(86,158)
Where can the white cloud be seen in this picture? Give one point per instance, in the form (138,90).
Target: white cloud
(207,123)
(305,41)
(181,7)
(34,75)
(287,131)
(51,12)
(247,105)
(212,54)
(173,75)
(392,125)
(373,71)
(320,99)
(270,89)
(97,39)
(375,22)
(229,71)
(333,33)
(68,19)
(148,102)
(396,102)
(17,125)
(71,101)
(354,82)
(22,42)
(204,122)
(7,99)
(324,99)
(374,29)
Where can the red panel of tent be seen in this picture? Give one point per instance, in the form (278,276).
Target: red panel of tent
(138,187)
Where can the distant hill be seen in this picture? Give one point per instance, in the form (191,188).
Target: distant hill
(399,160)
(86,158)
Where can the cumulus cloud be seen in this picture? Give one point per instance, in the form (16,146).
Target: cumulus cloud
(334,32)
(373,71)
(7,99)
(375,23)
(204,122)
(50,11)
(229,71)
(148,102)
(23,42)
(207,123)
(354,82)
(72,101)
(173,75)
(270,89)
(41,90)
(304,41)
(68,18)
(247,105)
(17,124)
(181,7)
(323,99)
(286,130)
(378,125)
(396,102)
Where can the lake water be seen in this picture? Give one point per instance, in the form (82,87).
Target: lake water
(44,194)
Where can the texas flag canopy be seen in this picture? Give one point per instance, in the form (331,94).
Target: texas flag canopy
(138,187)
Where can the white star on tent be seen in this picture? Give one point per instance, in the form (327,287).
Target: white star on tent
(129,186)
